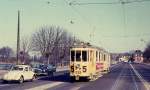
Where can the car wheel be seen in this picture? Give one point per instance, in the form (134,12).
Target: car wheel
(50,74)
(4,81)
(33,78)
(21,80)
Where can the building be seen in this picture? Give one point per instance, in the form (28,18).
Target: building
(138,56)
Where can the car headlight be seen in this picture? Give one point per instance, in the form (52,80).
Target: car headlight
(5,76)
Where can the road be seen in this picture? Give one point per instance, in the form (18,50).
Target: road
(123,76)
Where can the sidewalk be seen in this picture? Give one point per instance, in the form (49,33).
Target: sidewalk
(64,68)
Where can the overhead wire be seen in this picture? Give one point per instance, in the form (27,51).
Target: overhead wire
(117,2)
(128,36)
(83,18)
(133,1)
(78,13)
(73,3)
(122,2)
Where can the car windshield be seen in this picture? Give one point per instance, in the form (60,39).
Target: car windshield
(35,65)
(42,66)
(49,66)
(17,68)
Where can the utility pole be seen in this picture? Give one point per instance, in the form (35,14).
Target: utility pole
(18,38)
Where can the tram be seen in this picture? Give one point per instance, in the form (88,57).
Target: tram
(87,61)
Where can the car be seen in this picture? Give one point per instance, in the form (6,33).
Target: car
(44,69)
(19,73)
(39,69)
(50,69)
(4,68)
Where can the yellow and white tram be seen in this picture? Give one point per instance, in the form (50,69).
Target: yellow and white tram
(88,61)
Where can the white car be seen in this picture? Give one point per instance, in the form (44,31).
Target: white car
(4,68)
(19,73)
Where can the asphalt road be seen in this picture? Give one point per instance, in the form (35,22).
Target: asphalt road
(123,76)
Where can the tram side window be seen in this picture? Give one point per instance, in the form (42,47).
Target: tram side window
(99,56)
(104,57)
(96,56)
(72,55)
(84,56)
(78,55)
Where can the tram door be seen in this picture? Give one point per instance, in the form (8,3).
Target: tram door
(91,61)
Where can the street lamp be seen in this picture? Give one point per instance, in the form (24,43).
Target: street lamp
(18,38)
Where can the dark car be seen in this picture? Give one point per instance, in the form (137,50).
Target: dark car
(50,69)
(44,69)
(39,69)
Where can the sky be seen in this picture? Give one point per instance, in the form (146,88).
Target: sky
(115,27)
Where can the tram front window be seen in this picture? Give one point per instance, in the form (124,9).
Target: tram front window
(78,55)
(84,56)
(72,55)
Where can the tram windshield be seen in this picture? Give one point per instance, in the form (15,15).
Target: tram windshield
(79,55)
(84,56)
(72,55)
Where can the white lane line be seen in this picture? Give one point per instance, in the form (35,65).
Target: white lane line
(116,84)
(76,88)
(133,78)
(3,85)
(46,86)
(145,83)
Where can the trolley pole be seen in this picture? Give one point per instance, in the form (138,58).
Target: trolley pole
(18,38)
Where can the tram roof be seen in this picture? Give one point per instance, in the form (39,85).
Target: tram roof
(87,45)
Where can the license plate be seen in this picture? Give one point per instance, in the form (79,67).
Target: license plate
(78,72)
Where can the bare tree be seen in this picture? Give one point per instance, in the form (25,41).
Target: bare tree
(6,53)
(147,53)
(49,40)
(26,44)
(25,48)
(66,42)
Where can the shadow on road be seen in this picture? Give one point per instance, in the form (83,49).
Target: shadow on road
(60,78)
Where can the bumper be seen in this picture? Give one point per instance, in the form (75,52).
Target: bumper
(10,79)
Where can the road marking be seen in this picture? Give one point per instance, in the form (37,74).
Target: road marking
(3,85)
(136,86)
(76,88)
(116,84)
(46,86)
(145,83)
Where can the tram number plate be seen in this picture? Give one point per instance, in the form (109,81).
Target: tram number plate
(84,68)
(78,72)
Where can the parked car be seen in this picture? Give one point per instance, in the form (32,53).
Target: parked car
(4,68)
(19,73)
(50,69)
(39,69)
(44,69)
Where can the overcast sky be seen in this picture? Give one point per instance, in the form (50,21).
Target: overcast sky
(111,27)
